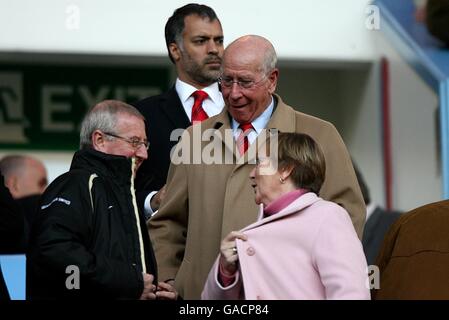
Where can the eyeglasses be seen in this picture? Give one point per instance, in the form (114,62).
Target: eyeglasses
(227,82)
(135,142)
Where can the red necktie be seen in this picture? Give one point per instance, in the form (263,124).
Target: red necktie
(242,140)
(198,113)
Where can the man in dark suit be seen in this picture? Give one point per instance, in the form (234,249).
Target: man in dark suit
(378,221)
(194,39)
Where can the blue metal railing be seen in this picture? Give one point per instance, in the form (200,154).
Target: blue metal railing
(14,272)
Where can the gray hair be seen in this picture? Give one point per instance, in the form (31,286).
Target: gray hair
(103,117)
(270,59)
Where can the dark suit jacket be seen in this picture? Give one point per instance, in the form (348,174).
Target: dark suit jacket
(163,113)
(375,229)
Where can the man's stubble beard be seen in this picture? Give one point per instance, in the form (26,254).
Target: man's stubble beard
(200,72)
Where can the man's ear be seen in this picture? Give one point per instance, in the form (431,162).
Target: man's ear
(12,183)
(174,51)
(273,78)
(98,140)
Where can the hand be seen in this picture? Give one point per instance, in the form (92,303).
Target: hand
(228,250)
(157,199)
(148,288)
(166,291)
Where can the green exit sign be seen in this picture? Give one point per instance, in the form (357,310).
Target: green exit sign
(42,106)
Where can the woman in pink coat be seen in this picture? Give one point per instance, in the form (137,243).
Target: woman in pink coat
(301,247)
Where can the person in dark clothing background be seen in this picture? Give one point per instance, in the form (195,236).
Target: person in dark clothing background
(378,221)
(437,19)
(89,239)
(414,257)
(26,178)
(11,221)
(11,229)
(24,175)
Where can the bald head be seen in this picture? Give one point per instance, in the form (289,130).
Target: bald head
(254,50)
(249,77)
(24,175)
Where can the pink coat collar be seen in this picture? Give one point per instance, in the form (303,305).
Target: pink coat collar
(302,202)
(283,202)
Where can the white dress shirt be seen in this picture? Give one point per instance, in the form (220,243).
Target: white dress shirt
(212,105)
(259,124)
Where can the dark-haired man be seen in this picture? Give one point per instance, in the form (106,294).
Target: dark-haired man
(194,39)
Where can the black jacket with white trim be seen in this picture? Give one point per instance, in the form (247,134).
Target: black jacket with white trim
(89,222)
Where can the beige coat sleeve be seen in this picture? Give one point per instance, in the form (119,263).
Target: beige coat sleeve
(340,185)
(168,227)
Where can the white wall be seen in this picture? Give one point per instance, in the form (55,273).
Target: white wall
(306,29)
(361,121)
(416,159)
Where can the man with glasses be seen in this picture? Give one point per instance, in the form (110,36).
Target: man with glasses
(194,39)
(89,240)
(205,202)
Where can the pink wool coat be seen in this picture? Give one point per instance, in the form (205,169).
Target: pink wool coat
(309,250)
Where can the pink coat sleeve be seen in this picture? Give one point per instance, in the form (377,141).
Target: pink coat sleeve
(213,290)
(339,258)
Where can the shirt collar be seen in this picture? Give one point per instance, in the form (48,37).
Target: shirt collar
(185,91)
(261,121)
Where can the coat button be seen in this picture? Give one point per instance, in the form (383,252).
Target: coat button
(250,251)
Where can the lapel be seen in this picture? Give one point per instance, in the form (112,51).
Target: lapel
(223,132)
(283,117)
(174,110)
(299,204)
